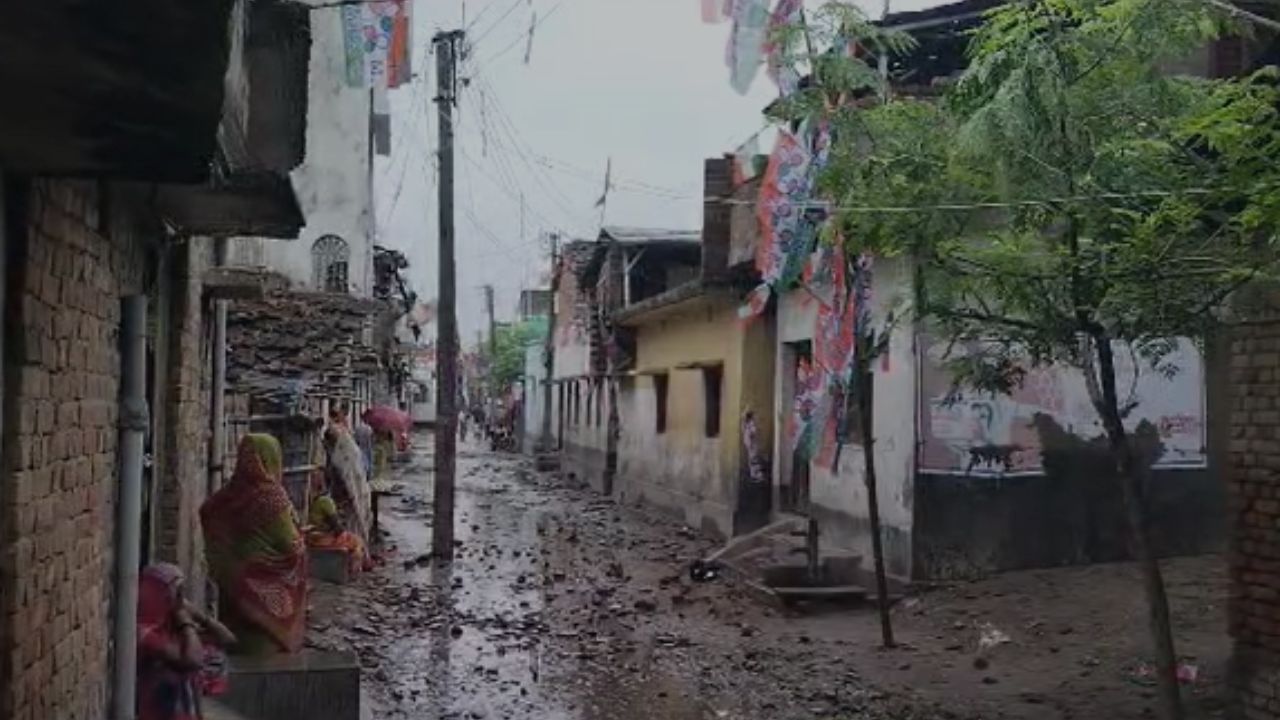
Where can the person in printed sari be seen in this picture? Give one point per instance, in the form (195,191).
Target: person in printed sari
(348,485)
(326,531)
(256,553)
(175,663)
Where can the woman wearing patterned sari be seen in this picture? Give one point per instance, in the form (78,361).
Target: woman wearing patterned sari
(256,553)
(347,483)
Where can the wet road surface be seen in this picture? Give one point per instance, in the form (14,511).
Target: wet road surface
(564,606)
(478,639)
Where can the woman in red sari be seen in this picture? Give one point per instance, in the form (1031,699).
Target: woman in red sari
(171,652)
(256,552)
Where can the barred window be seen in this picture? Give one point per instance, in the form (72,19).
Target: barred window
(330,256)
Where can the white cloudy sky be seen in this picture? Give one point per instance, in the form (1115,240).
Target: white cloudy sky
(640,81)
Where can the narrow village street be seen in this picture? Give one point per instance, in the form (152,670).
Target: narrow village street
(813,360)
(565,606)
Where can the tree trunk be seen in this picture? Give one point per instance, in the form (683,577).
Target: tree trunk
(865,382)
(1132,474)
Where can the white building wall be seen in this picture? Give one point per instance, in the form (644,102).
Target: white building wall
(535,394)
(838,499)
(333,184)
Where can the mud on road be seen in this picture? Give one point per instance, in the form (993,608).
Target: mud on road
(564,606)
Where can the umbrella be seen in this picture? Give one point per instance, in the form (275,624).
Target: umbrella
(387,419)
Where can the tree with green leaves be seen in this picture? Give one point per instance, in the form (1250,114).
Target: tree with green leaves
(1114,206)
(1070,196)
(505,357)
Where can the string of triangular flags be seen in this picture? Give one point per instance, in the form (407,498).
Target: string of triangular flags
(378,53)
(789,253)
(754,38)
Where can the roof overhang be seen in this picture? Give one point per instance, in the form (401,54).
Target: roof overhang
(680,299)
(205,98)
(259,206)
(129,90)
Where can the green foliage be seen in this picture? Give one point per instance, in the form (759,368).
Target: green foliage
(506,365)
(1070,186)
(1136,200)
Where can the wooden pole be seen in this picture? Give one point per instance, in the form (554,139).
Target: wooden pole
(446,431)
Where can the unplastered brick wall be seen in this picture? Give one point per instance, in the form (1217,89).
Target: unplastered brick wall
(1254,494)
(72,257)
(183,460)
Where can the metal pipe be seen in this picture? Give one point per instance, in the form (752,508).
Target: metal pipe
(133,426)
(217,401)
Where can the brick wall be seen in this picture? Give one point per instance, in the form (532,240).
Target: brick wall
(717,186)
(71,257)
(182,457)
(1254,493)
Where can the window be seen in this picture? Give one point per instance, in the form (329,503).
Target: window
(712,380)
(660,401)
(577,398)
(330,257)
(591,396)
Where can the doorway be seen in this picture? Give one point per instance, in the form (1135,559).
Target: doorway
(793,476)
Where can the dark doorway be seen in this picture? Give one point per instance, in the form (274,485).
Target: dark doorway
(793,490)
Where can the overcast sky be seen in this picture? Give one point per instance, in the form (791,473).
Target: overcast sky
(640,81)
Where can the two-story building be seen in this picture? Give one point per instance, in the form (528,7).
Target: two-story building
(150,131)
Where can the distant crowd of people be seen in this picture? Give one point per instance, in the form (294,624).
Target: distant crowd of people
(500,428)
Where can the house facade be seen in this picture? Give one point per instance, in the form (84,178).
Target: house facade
(335,250)
(699,371)
(107,289)
(970,484)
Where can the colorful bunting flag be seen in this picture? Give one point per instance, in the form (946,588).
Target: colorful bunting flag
(788,13)
(804,427)
(716,11)
(377,37)
(746,42)
(757,301)
(744,160)
(353,44)
(400,56)
(789,221)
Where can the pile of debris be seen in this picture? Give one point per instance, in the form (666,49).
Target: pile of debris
(303,338)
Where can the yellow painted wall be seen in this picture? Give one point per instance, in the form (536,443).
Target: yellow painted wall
(682,468)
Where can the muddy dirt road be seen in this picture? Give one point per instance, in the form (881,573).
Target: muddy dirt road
(563,606)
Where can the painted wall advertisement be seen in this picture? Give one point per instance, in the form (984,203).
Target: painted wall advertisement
(976,433)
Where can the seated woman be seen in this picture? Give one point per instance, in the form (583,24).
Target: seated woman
(174,660)
(347,483)
(326,530)
(255,552)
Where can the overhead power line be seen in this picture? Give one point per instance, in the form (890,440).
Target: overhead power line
(528,35)
(496,23)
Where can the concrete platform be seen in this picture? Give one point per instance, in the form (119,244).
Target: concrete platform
(308,686)
(330,566)
(213,709)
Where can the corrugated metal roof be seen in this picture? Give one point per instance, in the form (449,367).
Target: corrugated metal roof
(638,235)
(939,13)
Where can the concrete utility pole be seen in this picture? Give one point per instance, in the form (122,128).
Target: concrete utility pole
(493,338)
(446,436)
(549,351)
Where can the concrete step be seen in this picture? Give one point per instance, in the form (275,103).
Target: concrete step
(310,685)
(212,709)
(830,594)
